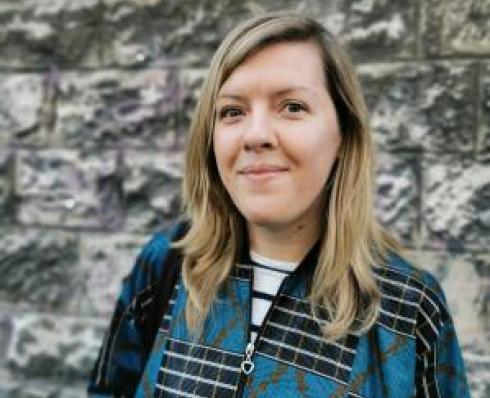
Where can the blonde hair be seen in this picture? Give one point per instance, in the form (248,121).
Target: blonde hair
(352,241)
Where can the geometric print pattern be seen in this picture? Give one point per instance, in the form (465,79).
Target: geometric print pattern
(409,307)
(412,309)
(428,380)
(193,370)
(291,335)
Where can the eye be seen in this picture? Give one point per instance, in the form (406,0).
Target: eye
(295,107)
(229,112)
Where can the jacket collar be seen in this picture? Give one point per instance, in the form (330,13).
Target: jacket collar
(304,271)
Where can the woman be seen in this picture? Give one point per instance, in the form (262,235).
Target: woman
(286,285)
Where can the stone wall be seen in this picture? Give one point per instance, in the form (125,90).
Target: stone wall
(96,97)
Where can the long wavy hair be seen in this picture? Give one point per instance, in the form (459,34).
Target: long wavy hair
(352,240)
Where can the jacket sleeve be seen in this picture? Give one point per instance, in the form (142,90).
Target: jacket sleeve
(124,350)
(440,370)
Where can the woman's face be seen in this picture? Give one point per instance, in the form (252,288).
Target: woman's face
(276,135)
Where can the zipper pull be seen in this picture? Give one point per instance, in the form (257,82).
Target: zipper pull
(247,364)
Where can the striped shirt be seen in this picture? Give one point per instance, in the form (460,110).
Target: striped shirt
(268,276)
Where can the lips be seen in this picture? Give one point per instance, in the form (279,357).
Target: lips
(262,173)
(262,169)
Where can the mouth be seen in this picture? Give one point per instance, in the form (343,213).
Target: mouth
(262,172)
(262,169)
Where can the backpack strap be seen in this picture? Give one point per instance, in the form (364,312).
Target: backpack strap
(163,288)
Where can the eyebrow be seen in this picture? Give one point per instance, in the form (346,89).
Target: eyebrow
(278,93)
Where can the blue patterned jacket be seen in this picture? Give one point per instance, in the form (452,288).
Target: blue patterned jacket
(412,350)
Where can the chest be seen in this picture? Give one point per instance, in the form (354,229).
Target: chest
(290,356)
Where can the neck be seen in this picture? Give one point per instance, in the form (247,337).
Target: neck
(290,243)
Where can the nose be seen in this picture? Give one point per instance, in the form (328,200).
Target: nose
(259,133)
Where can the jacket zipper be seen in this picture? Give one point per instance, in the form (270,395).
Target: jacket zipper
(250,346)
(247,365)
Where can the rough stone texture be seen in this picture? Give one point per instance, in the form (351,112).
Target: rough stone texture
(151,190)
(477,368)
(173,32)
(105,261)
(192,80)
(373,29)
(39,268)
(456,205)
(68,188)
(465,278)
(20,106)
(41,34)
(5,337)
(455,27)
(54,346)
(6,187)
(113,108)
(426,106)
(40,388)
(398,195)
(484,132)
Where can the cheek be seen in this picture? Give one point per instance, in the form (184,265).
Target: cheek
(218,147)
(224,151)
(318,158)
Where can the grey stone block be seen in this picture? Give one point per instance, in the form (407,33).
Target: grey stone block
(5,337)
(371,30)
(456,205)
(10,388)
(105,261)
(6,187)
(398,195)
(151,188)
(39,268)
(68,188)
(36,34)
(192,80)
(21,103)
(114,108)
(477,367)
(423,106)
(173,32)
(54,346)
(188,32)
(465,278)
(457,27)
(484,130)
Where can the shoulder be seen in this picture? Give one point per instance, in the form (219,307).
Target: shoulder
(415,274)
(401,273)
(412,299)
(152,258)
(155,250)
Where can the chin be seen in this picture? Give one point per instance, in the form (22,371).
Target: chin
(266,220)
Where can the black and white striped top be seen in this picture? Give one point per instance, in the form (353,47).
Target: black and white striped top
(268,276)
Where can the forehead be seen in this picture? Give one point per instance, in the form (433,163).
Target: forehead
(278,66)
